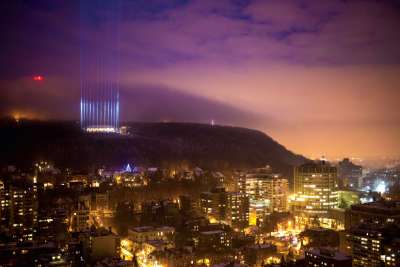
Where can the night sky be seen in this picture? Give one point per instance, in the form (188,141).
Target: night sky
(320,77)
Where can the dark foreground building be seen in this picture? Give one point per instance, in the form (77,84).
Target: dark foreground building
(322,257)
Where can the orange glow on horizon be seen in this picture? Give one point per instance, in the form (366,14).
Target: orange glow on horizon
(21,115)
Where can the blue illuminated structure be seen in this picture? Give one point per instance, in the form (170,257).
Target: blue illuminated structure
(128,168)
(99,105)
(100,109)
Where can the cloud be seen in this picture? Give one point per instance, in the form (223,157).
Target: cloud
(302,70)
(303,32)
(282,15)
(28,98)
(53,98)
(159,103)
(159,33)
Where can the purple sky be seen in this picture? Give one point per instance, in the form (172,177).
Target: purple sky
(321,77)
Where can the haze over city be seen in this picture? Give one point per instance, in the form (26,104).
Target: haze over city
(200,133)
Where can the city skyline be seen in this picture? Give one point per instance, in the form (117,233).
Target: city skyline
(320,79)
(200,133)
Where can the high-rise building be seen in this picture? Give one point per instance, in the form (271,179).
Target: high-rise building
(231,207)
(256,190)
(4,204)
(239,178)
(100,98)
(315,198)
(237,210)
(374,245)
(213,204)
(18,210)
(277,192)
(315,188)
(23,216)
(349,174)
(267,192)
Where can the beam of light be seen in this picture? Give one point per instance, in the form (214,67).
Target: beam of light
(99,66)
(108,106)
(81,109)
(117,118)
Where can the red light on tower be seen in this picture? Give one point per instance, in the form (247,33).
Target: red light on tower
(38,78)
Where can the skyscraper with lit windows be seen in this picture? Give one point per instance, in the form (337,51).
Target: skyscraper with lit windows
(375,245)
(19,208)
(315,186)
(267,192)
(316,194)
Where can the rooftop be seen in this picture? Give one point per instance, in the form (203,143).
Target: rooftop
(211,232)
(143,229)
(261,246)
(316,165)
(391,206)
(329,253)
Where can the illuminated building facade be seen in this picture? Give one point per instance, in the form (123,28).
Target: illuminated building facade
(131,179)
(315,188)
(4,203)
(256,188)
(267,193)
(213,204)
(375,245)
(18,211)
(277,192)
(146,233)
(214,239)
(23,217)
(240,181)
(237,209)
(99,106)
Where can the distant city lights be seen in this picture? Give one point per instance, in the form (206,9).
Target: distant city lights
(38,78)
(381,187)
